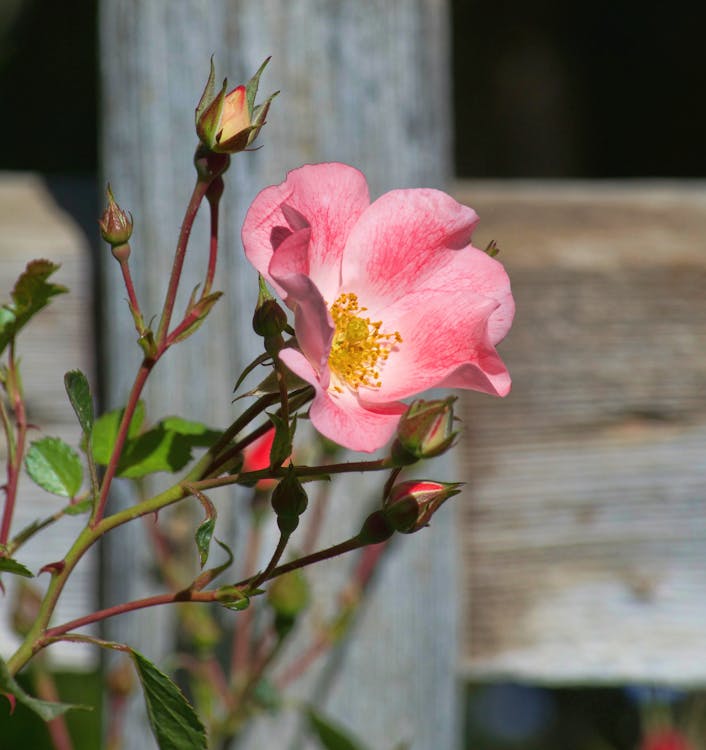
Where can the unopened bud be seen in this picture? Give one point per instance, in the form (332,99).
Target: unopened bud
(289,501)
(425,430)
(115,224)
(410,505)
(229,122)
(269,319)
(376,528)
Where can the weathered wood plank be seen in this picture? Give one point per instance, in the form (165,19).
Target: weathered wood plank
(59,339)
(364,82)
(584,525)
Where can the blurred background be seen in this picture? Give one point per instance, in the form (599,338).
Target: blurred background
(601,90)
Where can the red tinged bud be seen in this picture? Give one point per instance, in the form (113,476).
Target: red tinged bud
(115,224)
(410,505)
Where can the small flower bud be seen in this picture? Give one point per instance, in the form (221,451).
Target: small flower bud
(269,319)
(289,501)
(410,505)
(115,224)
(425,430)
(227,123)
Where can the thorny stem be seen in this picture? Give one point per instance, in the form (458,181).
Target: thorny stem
(15,447)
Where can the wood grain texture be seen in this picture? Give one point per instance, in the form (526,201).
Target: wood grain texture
(584,526)
(364,82)
(58,339)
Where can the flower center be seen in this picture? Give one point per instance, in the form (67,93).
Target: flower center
(359,347)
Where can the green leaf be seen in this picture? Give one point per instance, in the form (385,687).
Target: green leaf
(105,431)
(31,293)
(79,394)
(54,466)
(44,709)
(205,530)
(76,509)
(8,565)
(200,436)
(155,450)
(331,735)
(174,722)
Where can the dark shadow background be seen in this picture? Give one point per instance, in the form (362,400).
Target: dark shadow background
(542,89)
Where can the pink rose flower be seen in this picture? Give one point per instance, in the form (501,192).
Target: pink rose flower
(389,298)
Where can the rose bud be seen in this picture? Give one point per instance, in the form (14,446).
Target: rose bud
(410,505)
(425,430)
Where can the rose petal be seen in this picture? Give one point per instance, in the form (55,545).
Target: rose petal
(441,334)
(330,197)
(312,320)
(344,418)
(401,239)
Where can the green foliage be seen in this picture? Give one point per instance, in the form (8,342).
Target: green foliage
(165,447)
(79,394)
(331,735)
(205,530)
(45,709)
(54,466)
(31,293)
(174,722)
(8,565)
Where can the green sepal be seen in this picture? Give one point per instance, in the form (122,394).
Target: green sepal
(252,85)
(207,96)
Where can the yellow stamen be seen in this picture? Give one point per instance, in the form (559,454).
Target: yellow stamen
(359,347)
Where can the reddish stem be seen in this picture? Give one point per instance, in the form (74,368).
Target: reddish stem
(138,385)
(14,460)
(192,209)
(213,196)
(130,287)
(186,595)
